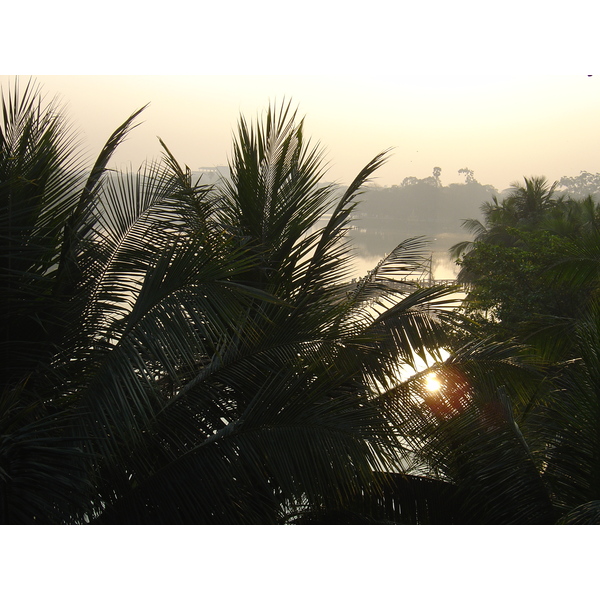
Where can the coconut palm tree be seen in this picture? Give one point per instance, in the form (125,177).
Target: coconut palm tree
(532,200)
(525,449)
(284,419)
(174,355)
(555,413)
(525,206)
(108,286)
(45,201)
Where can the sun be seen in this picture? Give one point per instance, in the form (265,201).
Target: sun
(432,383)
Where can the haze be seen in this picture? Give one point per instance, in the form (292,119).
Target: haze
(502,91)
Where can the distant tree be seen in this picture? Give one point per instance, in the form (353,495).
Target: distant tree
(582,185)
(433,179)
(407,181)
(469,175)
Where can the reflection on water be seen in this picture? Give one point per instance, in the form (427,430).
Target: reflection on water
(367,256)
(381,236)
(372,246)
(443,267)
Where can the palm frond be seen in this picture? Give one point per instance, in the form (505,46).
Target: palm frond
(293,443)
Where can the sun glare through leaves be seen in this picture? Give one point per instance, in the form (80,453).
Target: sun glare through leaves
(432,383)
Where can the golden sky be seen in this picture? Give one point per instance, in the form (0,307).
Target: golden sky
(501,90)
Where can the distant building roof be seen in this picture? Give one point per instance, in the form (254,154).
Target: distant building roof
(212,174)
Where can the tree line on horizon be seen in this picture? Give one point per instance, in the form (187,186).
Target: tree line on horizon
(429,208)
(178,353)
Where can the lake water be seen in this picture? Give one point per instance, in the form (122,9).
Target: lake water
(371,246)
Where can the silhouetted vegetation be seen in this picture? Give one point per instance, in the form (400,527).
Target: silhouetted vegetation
(533,277)
(174,352)
(417,207)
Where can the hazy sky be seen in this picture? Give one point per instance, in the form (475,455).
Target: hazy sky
(501,90)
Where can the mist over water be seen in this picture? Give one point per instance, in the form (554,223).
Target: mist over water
(386,216)
(442,266)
